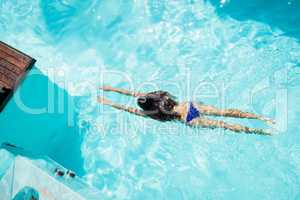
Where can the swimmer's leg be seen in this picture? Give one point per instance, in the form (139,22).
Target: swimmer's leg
(208,123)
(107,102)
(121,91)
(211,110)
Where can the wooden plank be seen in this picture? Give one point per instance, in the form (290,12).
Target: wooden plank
(9,66)
(13,59)
(13,67)
(15,54)
(5,82)
(9,75)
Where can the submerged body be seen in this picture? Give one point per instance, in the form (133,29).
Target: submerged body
(160,105)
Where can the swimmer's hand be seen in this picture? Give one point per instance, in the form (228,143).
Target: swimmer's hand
(121,91)
(104,101)
(107,88)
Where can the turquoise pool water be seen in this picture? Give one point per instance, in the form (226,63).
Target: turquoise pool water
(243,55)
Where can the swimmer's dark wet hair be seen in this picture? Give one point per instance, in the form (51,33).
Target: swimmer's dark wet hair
(158,105)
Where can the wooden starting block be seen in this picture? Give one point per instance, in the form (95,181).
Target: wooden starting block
(14,66)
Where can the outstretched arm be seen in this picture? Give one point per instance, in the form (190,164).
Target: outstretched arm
(211,110)
(208,123)
(121,91)
(135,111)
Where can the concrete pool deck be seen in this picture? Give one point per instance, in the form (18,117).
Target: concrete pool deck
(18,171)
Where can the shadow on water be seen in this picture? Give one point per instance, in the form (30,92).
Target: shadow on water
(282,14)
(41,119)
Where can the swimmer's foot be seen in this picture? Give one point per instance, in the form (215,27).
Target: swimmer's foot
(268,121)
(264,132)
(258,131)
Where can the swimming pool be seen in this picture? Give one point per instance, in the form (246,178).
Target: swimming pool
(217,52)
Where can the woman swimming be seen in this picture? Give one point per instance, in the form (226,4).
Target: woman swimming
(162,106)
